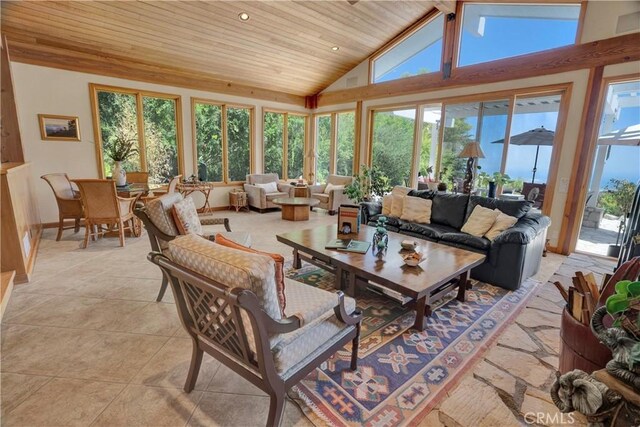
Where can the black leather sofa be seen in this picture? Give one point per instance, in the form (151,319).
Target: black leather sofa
(512,257)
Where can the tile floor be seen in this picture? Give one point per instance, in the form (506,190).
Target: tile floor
(85,343)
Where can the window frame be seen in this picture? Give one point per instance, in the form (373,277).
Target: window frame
(285,141)
(94,88)
(225,143)
(430,16)
(333,147)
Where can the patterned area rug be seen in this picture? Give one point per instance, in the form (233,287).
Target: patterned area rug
(402,373)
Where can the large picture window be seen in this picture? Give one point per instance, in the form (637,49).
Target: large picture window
(418,53)
(393,142)
(149,119)
(496,31)
(222,135)
(284,136)
(335,144)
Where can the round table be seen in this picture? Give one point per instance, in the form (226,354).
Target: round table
(296,208)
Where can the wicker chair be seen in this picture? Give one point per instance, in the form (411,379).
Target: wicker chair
(69,203)
(226,301)
(103,206)
(161,228)
(138,177)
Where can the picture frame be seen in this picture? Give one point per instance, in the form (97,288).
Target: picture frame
(59,128)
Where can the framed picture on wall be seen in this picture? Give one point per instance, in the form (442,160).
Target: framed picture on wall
(59,128)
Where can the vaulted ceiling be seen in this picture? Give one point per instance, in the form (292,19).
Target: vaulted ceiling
(285,46)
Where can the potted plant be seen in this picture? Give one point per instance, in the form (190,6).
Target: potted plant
(617,200)
(119,148)
(369,183)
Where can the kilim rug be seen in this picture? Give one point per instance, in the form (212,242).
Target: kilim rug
(402,373)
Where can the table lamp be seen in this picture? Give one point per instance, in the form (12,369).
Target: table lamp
(472,151)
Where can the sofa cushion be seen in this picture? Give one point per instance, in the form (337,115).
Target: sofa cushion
(269,187)
(423,194)
(396,205)
(503,222)
(525,230)
(430,231)
(186,217)
(262,178)
(400,190)
(320,330)
(159,211)
(468,240)
(387,201)
(230,267)
(480,221)
(514,208)
(449,209)
(277,258)
(238,237)
(271,196)
(415,209)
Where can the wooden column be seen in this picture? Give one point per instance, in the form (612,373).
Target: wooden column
(11,142)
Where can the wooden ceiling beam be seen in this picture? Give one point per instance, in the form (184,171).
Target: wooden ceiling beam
(445,6)
(51,56)
(570,58)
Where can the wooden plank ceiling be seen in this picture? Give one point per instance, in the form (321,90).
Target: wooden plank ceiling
(285,46)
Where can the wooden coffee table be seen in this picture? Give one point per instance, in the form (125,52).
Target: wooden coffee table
(296,208)
(443,269)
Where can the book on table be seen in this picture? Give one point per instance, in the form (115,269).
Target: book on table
(347,245)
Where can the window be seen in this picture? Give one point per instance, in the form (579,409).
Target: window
(496,31)
(335,144)
(392,144)
(222,141)
(119,113)
(419,53)
(284,136)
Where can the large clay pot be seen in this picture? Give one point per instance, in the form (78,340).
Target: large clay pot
(119,174)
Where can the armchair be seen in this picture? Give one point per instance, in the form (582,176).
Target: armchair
(161,227)
(332,199)
(68,200)
(260,196)
(226,301)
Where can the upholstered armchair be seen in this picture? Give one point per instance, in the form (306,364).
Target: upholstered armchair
(158,220)
(332,198)
(261,189)
(228,304)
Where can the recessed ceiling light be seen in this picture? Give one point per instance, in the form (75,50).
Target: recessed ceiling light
(335,48)
(243,16)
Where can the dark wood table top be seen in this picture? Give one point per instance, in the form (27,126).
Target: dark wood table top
(296,201)
(441,263)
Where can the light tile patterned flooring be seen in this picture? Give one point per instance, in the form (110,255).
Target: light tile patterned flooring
(85,343)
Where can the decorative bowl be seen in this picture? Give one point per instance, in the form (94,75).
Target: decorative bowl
(409,245)
(413,259)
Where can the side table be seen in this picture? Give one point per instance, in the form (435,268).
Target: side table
(301,191)
(238,200)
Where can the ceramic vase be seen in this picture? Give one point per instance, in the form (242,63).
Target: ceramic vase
(492,190)
(119,174)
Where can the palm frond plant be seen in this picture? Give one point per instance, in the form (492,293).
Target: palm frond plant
(120,147)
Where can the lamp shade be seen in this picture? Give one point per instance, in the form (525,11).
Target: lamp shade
(472,149)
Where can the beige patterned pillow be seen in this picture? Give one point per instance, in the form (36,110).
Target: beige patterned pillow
(480,221)
(186,217)
(396,205)
(416,209)
(503,221)
(330,187)
(387,201)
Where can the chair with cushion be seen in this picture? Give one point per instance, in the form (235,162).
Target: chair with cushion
(261,189)
(227,302)
(331,194)
(103,206)
(69,203)
(158,219)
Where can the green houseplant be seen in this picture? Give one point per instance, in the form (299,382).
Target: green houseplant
(119,148)
(369,183)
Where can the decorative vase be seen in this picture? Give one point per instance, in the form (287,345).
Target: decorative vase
(119,174)
(492,190)
(380,237)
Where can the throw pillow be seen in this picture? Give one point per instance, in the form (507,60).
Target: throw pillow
(480,221)
(387,201)
(400,190)
(330,187)
(269,187)
(417,210)
(396,205)
(503,221)
(277,258)
(186,217)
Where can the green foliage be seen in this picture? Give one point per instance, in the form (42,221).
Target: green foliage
(622,305)
(208,120)
(345,147)
(455,138)
(393,146)
(295,146)
(618,197)
(273,132)
(120,147)
(369,182)
(323,148)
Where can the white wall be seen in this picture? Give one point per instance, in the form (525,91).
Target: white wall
(52,91)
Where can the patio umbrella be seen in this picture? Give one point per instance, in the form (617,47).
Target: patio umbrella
(538,136)
(627,136)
